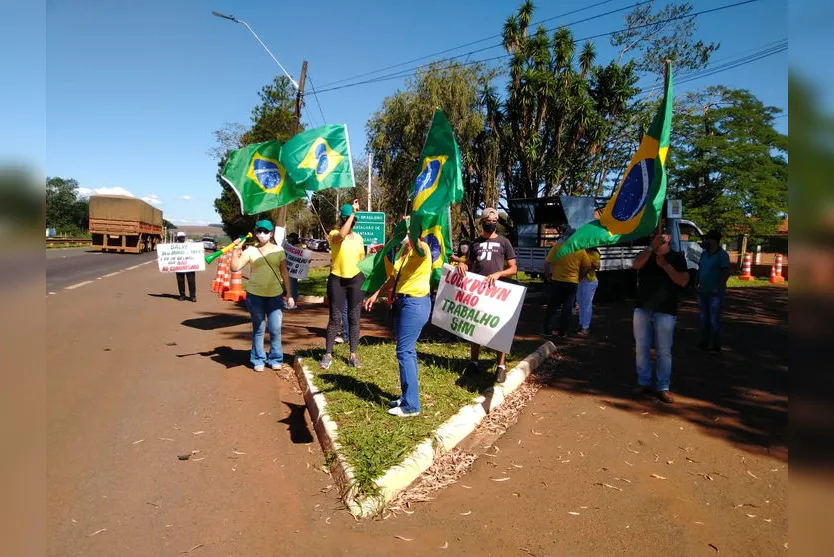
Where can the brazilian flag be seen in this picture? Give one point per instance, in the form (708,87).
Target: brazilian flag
(439,182)
(634,208)
(259,178)
(320,158)
(379,266)
(435,231)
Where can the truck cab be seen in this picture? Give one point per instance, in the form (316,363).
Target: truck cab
(538,219)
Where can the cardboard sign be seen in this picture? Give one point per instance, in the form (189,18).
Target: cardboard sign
(467,307)
(181,257)
(674,208)
(298,261)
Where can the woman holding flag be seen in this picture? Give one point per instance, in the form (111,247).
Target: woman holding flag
(345,282)
(409,284)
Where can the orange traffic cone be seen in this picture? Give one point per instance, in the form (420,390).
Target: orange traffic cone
(745,267)
(776,271)
(225,280)
(235,293)
(217,283)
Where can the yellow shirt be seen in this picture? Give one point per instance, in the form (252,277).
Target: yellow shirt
(414,273)
(593,255)
(262,280)
(346,254)
(566,268)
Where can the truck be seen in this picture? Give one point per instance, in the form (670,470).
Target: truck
(537,221)
(123,224)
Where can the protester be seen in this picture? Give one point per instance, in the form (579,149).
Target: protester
(409,282)
(661,276)
(713,272)
(492,256)
(564,274)
(345,282)
(294,241)
(586,290)
(190,275)
(462,251)
(267,282)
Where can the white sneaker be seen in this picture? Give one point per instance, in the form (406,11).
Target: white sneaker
(277,366)
(399,412)
(339,340)
(259,368)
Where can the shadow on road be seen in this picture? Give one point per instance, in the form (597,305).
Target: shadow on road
(217,321)
(740,395)
(224,355)
(171,296)
(297,424)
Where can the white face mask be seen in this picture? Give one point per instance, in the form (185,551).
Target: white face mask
(263,237)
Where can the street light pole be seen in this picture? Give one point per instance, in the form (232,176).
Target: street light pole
(236,20)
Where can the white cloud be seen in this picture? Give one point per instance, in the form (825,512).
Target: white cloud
(116,190)
(153,199)
(187,197)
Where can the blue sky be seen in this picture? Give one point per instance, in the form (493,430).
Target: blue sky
(135,89)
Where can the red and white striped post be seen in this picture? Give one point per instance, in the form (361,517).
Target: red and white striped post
(776,271)
(746,266)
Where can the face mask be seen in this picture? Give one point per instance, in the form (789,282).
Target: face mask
(464,250)
(490,227)
(262,237)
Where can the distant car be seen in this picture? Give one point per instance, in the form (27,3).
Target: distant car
(209,244)
(323,245)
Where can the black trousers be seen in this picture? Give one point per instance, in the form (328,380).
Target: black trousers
(339,289)
(192,280)
(561,294)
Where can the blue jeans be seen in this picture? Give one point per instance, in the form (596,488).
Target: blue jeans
(709,306)
(661,327)
(265,313)
(410,315)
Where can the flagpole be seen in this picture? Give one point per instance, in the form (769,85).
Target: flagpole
(666,73)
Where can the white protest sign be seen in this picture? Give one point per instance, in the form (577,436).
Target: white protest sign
(279,234)
(181,257)
(298,261)
(487,315)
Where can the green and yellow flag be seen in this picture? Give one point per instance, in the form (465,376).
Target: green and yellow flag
(320,158)
(379,266)
(439,182)
(634,208)
(435,231)
(259,178)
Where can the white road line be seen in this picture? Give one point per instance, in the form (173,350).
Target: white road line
(86,282)
(79,285)
(111,274)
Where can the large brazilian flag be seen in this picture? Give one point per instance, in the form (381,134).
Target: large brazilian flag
(634,208)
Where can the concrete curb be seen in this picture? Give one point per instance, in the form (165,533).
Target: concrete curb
(444,439)
(311,299)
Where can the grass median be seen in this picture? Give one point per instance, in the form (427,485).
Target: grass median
(735,282)
(357,399)
(316,282)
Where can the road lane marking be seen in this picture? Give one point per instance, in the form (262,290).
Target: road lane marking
(86,282)
(111,274)
(79,285)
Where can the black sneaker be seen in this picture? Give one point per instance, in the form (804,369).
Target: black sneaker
(193,298)
(501,374)
(182,298)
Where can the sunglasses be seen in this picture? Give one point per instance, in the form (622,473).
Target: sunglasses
(262,231)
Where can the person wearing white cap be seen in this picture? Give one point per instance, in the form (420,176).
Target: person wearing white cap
(190,275)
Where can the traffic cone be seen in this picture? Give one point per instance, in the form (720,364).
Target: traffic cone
(235,293)
(217,283)
(745,267)
(776,271)
(227,277)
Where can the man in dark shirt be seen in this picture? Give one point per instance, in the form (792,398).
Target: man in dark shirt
(661,276)
(492,256)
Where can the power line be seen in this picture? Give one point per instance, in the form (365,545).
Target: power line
(313,89)
(464,45)
(409,71)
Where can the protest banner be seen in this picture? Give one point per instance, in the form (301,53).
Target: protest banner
(487,315)
(181,257)
(298,261)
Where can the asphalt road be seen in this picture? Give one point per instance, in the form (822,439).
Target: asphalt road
(74,266)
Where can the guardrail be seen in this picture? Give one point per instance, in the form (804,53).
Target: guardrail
(50,242)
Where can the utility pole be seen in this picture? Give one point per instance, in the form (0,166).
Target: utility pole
(370,175)
(299,103)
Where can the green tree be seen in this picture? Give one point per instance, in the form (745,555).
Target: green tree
(273,118)
(728,164)
(397,131)
(65,212)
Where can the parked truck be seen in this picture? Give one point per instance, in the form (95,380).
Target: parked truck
(537,221)
(124,224)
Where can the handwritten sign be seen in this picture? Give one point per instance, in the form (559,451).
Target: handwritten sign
(181,257)
(487,315)
(298,261)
